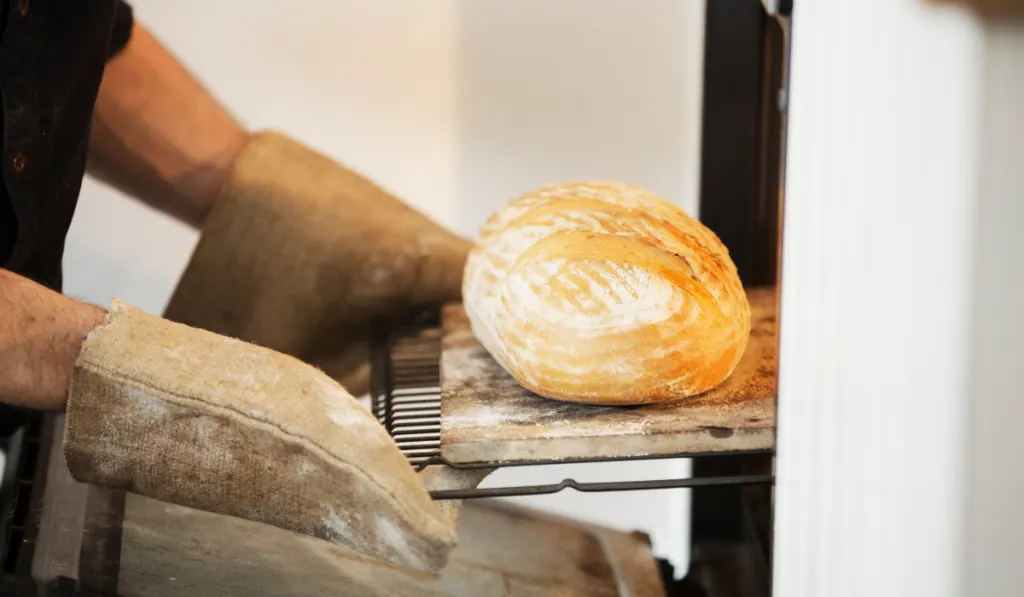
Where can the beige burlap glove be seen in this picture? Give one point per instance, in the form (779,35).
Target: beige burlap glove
(201,420)
(303,256)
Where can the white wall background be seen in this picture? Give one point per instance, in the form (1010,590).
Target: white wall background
(992,529)
(901,327)
(455,105)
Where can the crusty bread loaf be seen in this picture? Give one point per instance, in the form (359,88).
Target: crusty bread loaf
(607,294)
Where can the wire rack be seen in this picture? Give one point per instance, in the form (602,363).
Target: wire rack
(406,398)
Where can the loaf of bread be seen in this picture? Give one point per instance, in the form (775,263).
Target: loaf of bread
(604,293)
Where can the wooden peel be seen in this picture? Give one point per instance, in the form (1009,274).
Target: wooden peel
(486,416)
(504,550)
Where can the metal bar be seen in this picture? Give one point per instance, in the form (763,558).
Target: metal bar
(418,432)
(408,405)
(740,201)
(439,460)
(414,369)
(412,439)
(388,377)
(429,425)
(408,399)
(421,383)
(418,384)
(411,408)
(423,436)
(404,442)
(419,391)
(400,415)
(421,403)
(416,454)
(413,387)
(406,421)
(465,494)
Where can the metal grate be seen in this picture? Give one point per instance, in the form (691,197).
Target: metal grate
(406,399)
(406,387)
(22,460)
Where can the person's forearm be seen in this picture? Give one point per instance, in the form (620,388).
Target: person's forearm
(41,333)
(158,135)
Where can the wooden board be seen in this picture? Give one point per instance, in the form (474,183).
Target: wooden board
(486,416)
(504,550)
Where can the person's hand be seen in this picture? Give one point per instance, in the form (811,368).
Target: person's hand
(200,420)
(304,256)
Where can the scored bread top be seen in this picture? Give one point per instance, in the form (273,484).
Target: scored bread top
(605,293)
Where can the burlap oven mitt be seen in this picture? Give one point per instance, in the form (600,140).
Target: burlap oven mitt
(200,420)
(303,255)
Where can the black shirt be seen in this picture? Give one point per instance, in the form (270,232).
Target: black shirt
(52,56)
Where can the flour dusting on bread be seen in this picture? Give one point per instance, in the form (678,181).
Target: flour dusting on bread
(605,293)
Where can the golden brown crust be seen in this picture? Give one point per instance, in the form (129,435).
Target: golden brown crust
(605,293)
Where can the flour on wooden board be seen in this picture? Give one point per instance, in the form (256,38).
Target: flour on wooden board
(560,420)
(384,536)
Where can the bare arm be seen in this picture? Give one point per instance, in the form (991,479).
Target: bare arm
(41,334)
(158,135)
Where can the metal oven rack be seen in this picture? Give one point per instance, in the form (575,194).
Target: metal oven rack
(731,543)
(406,398)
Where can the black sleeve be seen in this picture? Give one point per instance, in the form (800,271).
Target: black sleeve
(122,29)
(10,420)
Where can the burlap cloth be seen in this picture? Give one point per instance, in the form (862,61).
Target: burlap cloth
(301,256)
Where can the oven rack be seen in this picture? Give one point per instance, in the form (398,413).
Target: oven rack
(405,390)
